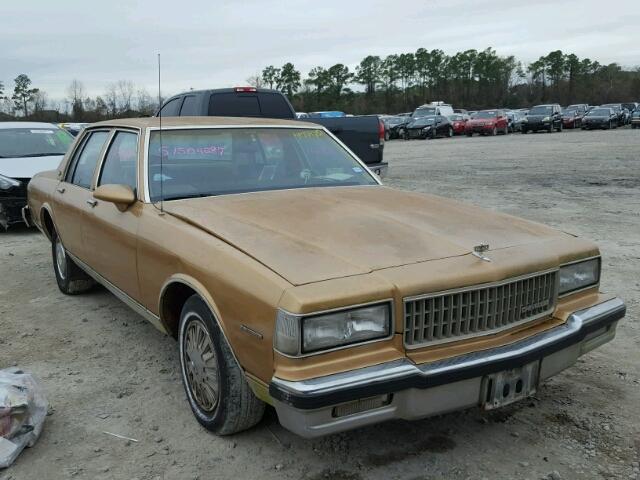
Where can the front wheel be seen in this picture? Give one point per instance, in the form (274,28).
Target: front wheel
(560,128)
(450,132)
(70,278)
(494,131)
(469,134)
(218,393)
(386,136)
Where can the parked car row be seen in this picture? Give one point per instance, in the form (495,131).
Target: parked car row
(441,120)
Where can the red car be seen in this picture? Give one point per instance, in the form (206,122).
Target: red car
(487,122)
(458,122)
(572,115)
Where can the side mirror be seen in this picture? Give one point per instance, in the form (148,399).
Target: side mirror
(122,196)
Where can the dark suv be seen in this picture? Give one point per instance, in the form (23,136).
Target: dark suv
(543,117)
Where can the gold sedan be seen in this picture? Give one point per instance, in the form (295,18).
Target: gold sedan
(290,276)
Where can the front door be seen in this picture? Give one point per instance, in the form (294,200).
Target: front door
(73,196)
(109,234)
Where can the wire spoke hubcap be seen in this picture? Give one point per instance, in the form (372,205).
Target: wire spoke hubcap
(61,259)
(201,365)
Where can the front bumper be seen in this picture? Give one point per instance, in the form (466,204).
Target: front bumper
(11,210)
(417,391)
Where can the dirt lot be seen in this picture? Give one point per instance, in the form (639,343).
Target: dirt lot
(106,369)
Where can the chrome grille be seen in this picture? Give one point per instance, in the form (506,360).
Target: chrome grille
(479,310)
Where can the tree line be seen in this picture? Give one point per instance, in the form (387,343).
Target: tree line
(121,99)
(472,79)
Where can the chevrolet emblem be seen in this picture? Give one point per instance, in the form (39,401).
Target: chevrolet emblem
(478,251)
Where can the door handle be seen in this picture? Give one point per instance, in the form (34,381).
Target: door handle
(60,190)
(93,203)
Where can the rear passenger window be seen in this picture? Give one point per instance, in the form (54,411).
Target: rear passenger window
(189,106)
(171,108)
(234,105)
(120,163)
(82,170)
(274,106)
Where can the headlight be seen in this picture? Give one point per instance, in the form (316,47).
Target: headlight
(6,183)
(298,334)
(578,275)
(546,119)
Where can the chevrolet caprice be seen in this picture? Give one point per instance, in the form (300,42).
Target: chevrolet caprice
(291,276)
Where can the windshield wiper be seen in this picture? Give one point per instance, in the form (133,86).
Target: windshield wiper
(48,154)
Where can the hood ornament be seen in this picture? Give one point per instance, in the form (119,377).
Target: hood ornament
(478,251)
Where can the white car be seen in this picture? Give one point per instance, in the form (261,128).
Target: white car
(26,148)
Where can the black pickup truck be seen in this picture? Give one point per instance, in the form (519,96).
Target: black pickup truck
(364,135)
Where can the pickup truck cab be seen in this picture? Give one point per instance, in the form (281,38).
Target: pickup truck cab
(363,135)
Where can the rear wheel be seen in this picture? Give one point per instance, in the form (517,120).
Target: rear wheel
(218,393)
(70,278)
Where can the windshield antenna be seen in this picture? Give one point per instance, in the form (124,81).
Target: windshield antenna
(161,149)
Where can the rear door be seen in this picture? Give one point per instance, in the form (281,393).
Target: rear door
(109,234)
(73,196)
(361,134)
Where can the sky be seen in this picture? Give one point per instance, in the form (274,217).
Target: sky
(219,43)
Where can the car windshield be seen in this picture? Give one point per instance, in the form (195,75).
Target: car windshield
(33,142)
(599,112)
(423,112)
(570,110)
(395,120)
(541,110)
(456,118)
(485,114)
(218,161)
(424,121)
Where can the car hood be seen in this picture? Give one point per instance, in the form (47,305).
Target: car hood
(476,121)
(314,234)
(537,118)
(27,167)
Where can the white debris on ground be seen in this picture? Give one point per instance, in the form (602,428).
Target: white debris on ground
(23,408)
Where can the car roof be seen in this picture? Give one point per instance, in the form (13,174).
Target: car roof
(154,122)
(6,125)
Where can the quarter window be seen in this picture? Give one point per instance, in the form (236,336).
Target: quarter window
(171,108)
(189,106)
(120,163)
(85,164)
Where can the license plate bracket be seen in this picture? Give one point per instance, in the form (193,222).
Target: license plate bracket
(502,388)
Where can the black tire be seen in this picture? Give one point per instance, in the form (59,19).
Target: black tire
(70,278)
(432,134)
(506,130)
(236,408)
(610,126)
(494,131)
(524,131)
(470,134)
(550,128)
(450,132)
(387,137)
(560,128)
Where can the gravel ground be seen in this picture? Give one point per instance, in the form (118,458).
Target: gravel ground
(106,369)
